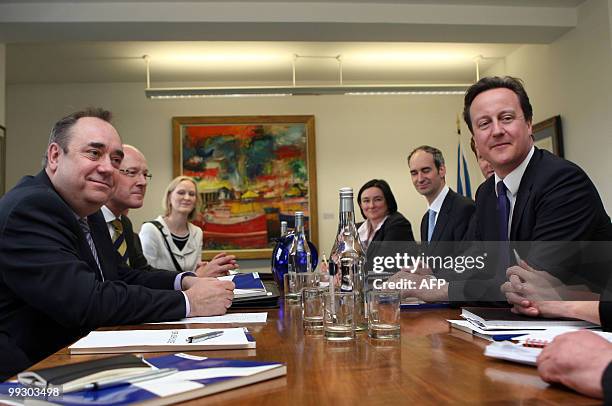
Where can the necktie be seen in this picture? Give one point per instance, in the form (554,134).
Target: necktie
(119,239)
(85,227)
(503,210)
(503,215)
(431,225)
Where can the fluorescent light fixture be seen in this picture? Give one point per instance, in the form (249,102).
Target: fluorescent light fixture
(301,90)
(273,91)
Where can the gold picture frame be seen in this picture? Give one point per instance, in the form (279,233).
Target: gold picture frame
(252,172)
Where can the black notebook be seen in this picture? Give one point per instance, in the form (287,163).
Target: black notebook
(75,375)
(492,318)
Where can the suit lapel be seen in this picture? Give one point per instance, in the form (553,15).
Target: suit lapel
(443,216)
(523,194)
(424,226)
(86,251)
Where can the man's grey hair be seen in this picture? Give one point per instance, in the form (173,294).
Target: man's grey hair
(60,133)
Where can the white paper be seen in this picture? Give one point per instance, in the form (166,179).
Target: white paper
(172,337)
(513,352)
(236,318)
(473,327)
(548,335)
(182,380)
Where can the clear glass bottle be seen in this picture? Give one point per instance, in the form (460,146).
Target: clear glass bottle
(347,265)
(299,251)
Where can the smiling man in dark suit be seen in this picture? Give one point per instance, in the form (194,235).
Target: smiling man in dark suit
(59,275)
(448,214)
(534,196)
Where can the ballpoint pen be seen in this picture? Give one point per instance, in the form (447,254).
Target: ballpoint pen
(205,336)
(124,380)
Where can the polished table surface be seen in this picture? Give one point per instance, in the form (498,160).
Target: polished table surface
(430,364)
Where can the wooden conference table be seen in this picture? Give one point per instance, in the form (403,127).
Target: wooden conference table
(431,364)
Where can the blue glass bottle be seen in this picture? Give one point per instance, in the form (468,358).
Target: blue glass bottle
(280,255)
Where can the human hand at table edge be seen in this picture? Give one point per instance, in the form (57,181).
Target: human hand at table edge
(577,360)
(220,265)
(209,297)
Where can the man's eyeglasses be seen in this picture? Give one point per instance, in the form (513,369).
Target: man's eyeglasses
(132,173)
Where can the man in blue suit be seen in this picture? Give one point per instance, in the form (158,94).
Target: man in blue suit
(59,275)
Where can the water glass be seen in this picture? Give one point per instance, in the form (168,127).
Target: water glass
(312,308)
(384,314)
(338,317)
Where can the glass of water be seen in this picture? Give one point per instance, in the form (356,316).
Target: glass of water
(312,308)
(338,318)
(384,314)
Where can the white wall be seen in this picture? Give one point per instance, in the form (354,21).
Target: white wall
(357,137)
(571,77)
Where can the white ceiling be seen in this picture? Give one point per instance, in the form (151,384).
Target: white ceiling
(245,42)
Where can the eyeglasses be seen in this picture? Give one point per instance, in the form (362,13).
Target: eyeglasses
(132,173)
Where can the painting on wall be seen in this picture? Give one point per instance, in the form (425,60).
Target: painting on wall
(252,172)
(548,135)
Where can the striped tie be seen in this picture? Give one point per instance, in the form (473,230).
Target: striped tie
(119,239)
(85,227)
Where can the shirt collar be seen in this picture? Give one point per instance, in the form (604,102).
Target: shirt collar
(436,205)
(513,179)
(364,227)
(109,215)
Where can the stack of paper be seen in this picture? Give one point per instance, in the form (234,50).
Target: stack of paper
(495,318)
(100,342)
(194,377)
(247,285)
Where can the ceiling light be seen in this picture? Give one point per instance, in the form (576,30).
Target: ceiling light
(301,90)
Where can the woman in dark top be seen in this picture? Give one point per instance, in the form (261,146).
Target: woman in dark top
(383,222)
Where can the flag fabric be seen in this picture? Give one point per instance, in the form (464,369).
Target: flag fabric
(463,173)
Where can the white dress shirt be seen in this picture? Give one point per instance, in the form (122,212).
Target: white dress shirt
(436,205)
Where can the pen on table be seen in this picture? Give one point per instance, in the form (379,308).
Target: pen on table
(205,336)
(125,380)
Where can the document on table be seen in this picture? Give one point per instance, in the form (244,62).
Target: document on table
(230,318)
(104,342)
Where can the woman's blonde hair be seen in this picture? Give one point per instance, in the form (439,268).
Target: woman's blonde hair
(167,206)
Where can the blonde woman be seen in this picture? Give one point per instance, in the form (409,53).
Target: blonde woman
(172,242)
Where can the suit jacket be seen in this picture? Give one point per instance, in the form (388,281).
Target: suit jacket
(453,219)
(156,251)
(556,202)
(134,249)
(51,291)
(396,228)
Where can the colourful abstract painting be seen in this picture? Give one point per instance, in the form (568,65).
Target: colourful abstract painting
(252,173)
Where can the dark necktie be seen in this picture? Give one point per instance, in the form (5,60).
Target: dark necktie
(503,210)
(85,227)
(119,239)
(503,215)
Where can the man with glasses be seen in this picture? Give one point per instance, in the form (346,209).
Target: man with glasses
(131,186)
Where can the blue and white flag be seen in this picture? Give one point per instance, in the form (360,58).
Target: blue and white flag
(463,173)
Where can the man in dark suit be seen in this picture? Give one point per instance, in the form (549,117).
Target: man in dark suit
(448,215)
(60,277)
(130,190)
(534,196)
